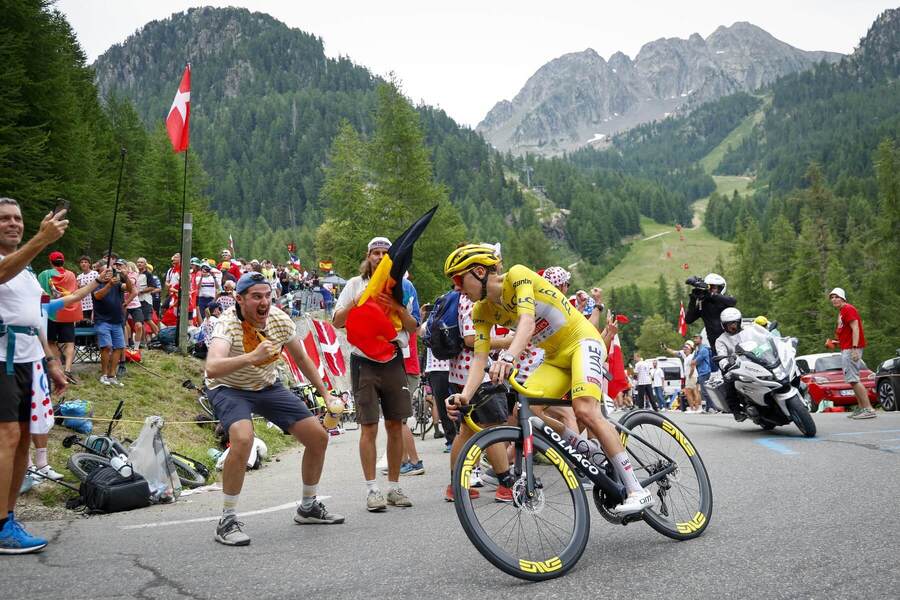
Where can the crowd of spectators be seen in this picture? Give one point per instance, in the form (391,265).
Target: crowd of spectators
(132,306)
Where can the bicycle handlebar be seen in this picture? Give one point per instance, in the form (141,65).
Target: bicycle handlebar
(521,389)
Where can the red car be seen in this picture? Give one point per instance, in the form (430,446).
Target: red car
(823,379)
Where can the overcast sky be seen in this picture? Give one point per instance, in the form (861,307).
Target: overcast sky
(466,55)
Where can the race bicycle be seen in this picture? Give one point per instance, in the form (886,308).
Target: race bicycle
(422,402)
(99,449)
(543,532)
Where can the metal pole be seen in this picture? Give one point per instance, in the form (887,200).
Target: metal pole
(185,258)
(184,288)
(112,232)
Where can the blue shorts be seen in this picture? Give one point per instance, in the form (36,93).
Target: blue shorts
(276,403)
(110,335)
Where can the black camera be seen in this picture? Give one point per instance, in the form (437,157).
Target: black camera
(700,286)
(697,283)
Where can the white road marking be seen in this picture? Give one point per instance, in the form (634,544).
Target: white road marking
(216,517)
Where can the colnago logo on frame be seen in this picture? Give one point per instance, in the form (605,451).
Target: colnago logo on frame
(572,452)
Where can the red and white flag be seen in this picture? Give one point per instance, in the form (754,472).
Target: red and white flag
(295,370)
(309,344)
(180,113)
(682,324)
(331,348)
(616,369)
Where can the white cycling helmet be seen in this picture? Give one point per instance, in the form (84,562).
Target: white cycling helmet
(716,279)
(730,315)
(557,276)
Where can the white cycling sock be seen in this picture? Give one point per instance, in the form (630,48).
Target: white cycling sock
(393,485)
(626,472)
(40,457)
(309,496)
(372,485)
(229,504)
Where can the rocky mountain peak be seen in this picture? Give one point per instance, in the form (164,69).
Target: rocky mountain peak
(579,98)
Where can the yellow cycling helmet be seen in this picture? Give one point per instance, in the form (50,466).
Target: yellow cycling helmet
(762,321)
(468,257)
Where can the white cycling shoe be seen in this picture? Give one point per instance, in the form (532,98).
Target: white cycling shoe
(634,503)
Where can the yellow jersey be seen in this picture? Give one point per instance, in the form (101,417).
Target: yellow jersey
(557,324)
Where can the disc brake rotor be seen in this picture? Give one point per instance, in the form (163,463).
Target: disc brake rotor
(533,505)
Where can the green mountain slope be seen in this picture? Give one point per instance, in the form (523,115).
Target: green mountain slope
(834,115)
(664,251)
(711,161)
(267,104)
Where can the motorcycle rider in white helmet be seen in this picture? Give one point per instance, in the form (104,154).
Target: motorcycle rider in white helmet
(725,345)
(707,301)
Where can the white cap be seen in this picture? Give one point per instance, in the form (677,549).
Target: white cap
(839,292)
(379,242)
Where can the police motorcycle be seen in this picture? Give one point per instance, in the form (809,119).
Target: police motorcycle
(766,379)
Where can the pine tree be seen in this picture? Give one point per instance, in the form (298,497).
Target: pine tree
(747,281)
(350,209)
(801,305)
(662,303)
(404,189)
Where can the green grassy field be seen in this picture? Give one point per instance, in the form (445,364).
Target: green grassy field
(712,160)
(728,184)
(145,393)
(666,254)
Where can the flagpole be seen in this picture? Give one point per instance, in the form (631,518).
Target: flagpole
(182,306)
(122,153)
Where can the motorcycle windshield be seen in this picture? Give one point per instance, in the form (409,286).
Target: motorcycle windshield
(758,345)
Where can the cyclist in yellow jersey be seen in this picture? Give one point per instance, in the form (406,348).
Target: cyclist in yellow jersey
(540,314)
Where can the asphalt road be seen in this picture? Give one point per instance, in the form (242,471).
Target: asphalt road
(793,518)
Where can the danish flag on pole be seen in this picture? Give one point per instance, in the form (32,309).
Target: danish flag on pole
(180,113)
(331,347)
(682,323)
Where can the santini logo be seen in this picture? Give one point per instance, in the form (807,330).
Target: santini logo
(572,452)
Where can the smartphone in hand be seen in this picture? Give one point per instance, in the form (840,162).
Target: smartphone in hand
(61,205)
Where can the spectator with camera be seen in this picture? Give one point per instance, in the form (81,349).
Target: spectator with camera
(109,320)
(707,302)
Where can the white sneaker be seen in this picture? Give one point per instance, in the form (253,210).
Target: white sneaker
(48,472)
(104,380)
(635,502)
(475,478)
(114,381)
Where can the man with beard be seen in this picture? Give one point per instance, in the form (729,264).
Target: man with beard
(378,387)
(242,378)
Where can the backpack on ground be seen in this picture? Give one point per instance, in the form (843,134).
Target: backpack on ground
(442,334)
(105,491)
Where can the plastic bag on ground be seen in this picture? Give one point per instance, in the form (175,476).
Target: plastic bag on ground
(150,457)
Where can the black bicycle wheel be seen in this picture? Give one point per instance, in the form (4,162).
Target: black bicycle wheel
(189,476)
(418,406)
(683,499)
(535,539)
(82,464)
(427,420)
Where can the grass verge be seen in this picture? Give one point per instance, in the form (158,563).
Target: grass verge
(151,388)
